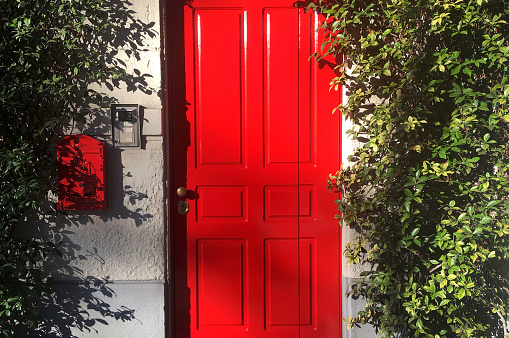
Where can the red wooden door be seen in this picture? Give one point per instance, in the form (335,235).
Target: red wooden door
(258,254)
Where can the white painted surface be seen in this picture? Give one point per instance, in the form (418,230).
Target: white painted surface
(115,310)
(351,307)
(348,147)
(126,242)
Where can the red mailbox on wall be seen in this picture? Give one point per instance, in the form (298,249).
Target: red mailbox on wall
(81,173)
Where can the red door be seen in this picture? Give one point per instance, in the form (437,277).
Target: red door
(258,253)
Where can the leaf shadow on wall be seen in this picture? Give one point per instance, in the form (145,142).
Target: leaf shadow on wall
(124,44)
(81,303)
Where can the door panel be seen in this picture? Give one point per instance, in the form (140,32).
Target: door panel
(290,295)
(220,62)
(231,207)
(258,254)
(281,80)
(221,283)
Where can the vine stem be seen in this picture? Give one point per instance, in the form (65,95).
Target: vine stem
(504,324)
(435,268)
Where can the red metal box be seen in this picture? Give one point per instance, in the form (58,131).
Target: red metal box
(81,174)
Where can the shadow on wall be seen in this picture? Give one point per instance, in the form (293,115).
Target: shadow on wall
(80,307)
(79,302)
(123,44)
(82,303)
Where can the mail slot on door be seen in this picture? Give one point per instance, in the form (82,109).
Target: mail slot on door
(81,174)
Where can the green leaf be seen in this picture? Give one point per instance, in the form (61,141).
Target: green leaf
(492,203)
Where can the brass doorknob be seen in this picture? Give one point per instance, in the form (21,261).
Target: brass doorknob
(181,192)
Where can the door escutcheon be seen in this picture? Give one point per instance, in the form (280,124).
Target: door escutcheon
(183,207)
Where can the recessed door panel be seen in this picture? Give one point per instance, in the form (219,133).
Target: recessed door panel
(220,60)
(292,202)
(220,204)
(289,289)
(221,282)
(281,81)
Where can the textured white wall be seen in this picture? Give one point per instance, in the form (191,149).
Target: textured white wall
(348,146)
(110,282)
(350,235)
(126,241)
(134,311)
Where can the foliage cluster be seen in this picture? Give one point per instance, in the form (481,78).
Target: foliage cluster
(427,189)
(45,69)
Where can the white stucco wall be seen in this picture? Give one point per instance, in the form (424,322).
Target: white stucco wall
(348,146)
(126,241)
(111,279)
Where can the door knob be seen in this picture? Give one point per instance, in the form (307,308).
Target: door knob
(181,192)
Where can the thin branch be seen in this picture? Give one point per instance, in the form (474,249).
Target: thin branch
(504,324)
(435,268)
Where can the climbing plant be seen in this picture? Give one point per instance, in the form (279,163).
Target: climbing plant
(427,189)
(46,67)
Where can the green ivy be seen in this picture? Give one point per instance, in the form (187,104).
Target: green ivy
(45,70)
(427,189)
